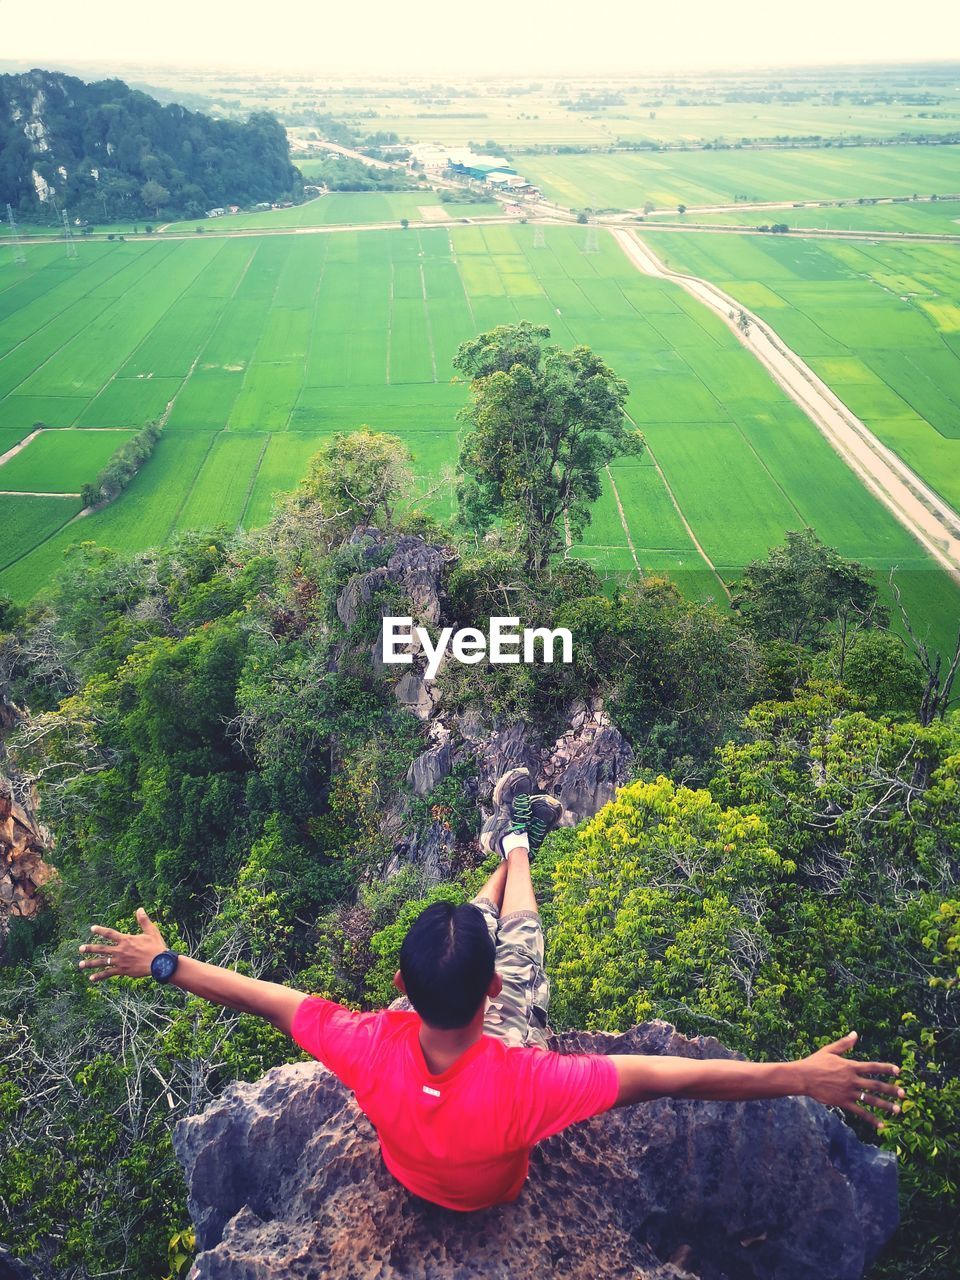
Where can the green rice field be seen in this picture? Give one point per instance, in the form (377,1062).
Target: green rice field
(920,217)
(60,461)
(259,347)
(344,208)
(686,110)
(879,322)
(626,180)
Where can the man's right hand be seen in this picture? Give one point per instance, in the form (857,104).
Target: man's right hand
(123,955)
(826,1075)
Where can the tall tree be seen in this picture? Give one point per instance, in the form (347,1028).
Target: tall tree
(803,592)
(154,194)
(355,479)
(541,426)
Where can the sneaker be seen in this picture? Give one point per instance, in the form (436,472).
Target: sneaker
(511,796)
(545,812)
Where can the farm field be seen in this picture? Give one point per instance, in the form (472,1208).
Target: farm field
(685,108)
(60,461)
(669,178)
(923,217)
(27,522)
(341,208)
(518,124)
(536,120)
(869,101)
(879,323)
(265,345)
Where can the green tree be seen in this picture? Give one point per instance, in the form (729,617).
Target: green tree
(154,194)
(675,675)
(809,890)
(541,426)
(355,479)
(877,667)
(804,591)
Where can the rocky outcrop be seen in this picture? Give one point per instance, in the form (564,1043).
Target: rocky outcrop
(415,568)
(23,871)
(583,766)
(285,1180)
(587,764)
(414,565)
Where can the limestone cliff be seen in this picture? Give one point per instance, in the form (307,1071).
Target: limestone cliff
(23,871)
(286,1181)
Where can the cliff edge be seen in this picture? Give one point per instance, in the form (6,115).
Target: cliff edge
(285,1180)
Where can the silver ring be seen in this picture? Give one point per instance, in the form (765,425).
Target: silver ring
(110,962)
(863,1093)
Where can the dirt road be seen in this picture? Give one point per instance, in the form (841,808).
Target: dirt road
(305,149)
(918,508)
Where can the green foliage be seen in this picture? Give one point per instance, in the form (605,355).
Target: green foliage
(809,891)
(651,916)
(541,426)
(122,466)
(802,590)
(491,582)
(125,155)
(180,1253)
(676,675)
(876,666)
(355,479)
(346,173)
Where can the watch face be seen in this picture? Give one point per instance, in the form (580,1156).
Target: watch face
(163,966)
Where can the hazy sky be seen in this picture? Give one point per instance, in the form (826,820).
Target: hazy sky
(447,36)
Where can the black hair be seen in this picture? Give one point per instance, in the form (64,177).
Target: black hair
(447,962)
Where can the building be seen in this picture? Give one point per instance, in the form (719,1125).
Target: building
(430,156)
(467,165)
(215,213)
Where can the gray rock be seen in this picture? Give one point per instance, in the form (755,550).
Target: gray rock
(23,843)
(285,1180)
(507,749)
(595,770)
(429,768)
(358,592)
(417,566)
(416,695)
(471,726)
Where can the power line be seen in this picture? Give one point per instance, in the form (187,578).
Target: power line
(538,241)
(591,243)
(68,236)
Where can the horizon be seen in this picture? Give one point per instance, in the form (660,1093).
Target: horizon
(93,66)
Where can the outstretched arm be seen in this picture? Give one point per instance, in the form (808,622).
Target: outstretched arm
(128,955)
(826,1075)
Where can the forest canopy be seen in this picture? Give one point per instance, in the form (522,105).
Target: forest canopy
(107,151)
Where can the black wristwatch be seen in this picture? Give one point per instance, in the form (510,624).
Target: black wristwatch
(164,966)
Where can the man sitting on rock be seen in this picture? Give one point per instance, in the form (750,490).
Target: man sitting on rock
(456,1076)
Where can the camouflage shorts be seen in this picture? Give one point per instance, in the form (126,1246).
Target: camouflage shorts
(519,1013)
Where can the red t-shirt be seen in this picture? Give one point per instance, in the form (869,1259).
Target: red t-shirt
(462,1138)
